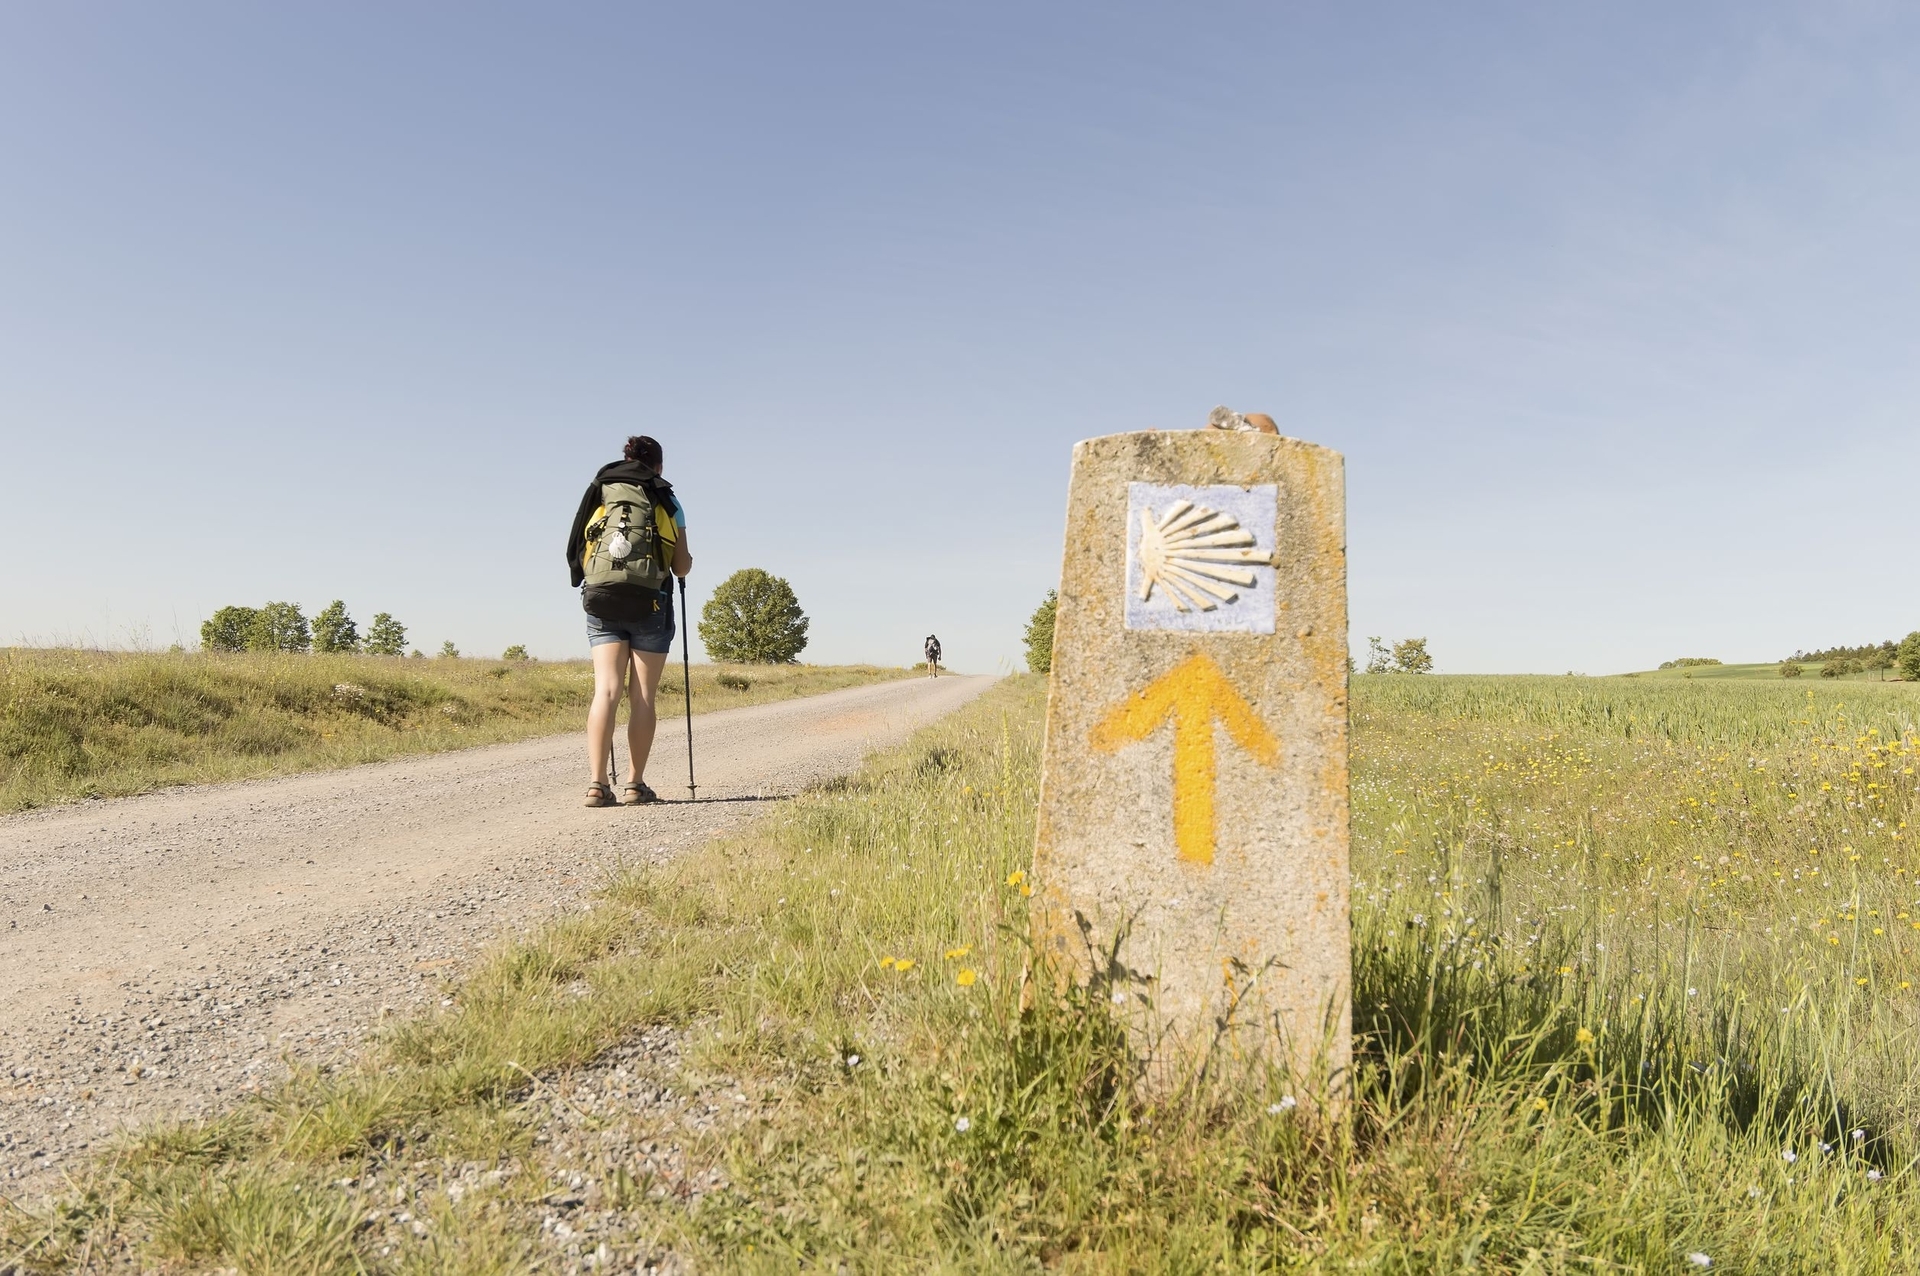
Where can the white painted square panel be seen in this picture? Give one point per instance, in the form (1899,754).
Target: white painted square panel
(1200,558)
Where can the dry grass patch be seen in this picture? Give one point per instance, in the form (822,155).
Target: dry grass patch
(90,724)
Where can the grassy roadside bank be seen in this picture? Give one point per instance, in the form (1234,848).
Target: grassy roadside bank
(80,724)
(1633,990)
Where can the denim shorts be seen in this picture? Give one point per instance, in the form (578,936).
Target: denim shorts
(652,633)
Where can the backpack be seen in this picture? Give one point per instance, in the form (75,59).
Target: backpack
(623,541)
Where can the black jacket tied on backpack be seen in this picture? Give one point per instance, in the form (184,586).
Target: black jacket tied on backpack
(617,600)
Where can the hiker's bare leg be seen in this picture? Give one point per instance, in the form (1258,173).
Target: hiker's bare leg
(609,672)
(641,720)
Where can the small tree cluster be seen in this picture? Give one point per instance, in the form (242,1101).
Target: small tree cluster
(1871,655)
(516,652)
(1688,662)
(284,627)
(1040,634)
(1790,669)
(1409,655)
(274,627)
(754,618)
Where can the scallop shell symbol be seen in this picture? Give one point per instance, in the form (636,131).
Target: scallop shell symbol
(1189,551)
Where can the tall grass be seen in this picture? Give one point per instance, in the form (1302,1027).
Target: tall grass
(1608,1017)
(79,724)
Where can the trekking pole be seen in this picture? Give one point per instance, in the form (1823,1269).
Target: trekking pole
(686,682)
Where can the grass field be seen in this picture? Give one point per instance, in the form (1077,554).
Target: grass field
(1634,971)
(80,724)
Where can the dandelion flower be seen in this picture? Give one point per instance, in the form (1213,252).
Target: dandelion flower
(1539,1105)
(904,965)
(965,977)
(955,954)
(962,1124)
(886,963)
(1016,877)
(1584,1037)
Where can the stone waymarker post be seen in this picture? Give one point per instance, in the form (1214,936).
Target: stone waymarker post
(1193,808)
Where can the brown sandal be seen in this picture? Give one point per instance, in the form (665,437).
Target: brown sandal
(637,794)
(598,794)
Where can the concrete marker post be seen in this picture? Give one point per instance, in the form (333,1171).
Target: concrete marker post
(1191,858)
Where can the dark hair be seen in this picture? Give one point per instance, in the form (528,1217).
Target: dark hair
(645,450)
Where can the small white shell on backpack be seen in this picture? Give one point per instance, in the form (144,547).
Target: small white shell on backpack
(1188,551)
(619,546)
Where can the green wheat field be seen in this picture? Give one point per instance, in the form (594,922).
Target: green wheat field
(1634,991)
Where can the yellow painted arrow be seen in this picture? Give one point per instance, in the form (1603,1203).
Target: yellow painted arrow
(1194,694)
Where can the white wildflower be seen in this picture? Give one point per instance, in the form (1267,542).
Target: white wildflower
(1699,1259)
(962,1124)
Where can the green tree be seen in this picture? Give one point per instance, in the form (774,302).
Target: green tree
(1907,656)
(1040,633)
(1790,669)
(448,651)
(754,618)
(280,627)
(515,652)
(334,630)
(386,636)
(1410,656)
(228,629)
(1379,660)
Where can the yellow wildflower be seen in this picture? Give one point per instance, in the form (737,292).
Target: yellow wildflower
(904,965)
(955,954)
(1584,1037)
(965,978)
(1016,877)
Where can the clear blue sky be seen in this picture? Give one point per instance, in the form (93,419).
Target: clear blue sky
(1613,309)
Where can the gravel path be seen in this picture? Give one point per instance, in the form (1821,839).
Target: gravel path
(161,953)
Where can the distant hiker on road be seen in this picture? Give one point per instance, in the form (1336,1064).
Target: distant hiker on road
(629,532)
(933,656)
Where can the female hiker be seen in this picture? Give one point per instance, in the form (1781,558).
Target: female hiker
(628,541)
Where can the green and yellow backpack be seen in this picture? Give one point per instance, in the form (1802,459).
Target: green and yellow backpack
(629,539)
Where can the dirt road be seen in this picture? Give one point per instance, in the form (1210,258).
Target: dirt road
(160,954)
